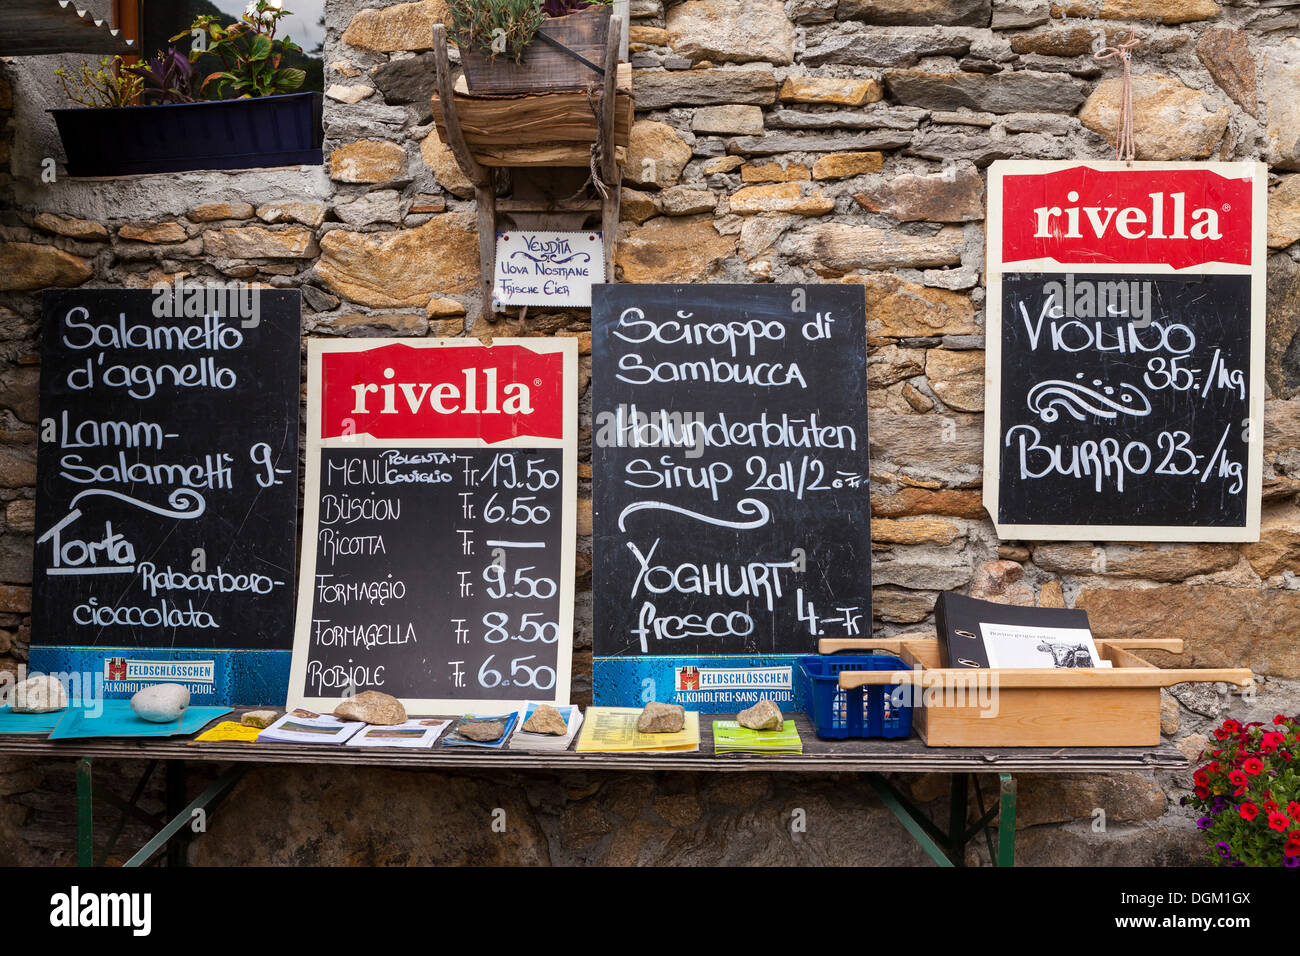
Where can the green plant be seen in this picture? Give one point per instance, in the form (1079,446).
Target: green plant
(1249,793)
(168,78)
(497,27)
(250,54)
(110,85)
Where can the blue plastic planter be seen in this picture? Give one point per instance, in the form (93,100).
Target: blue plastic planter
(211,134)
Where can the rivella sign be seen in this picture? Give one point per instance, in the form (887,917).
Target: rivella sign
(1125,350)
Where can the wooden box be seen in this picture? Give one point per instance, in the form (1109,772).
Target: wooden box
(544,129)
(543,67)
(1118,706)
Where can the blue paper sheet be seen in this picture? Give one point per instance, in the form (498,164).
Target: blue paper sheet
(11,723)
(118,720)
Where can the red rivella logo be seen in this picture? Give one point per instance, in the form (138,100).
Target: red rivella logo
(1179,217)
(399,391)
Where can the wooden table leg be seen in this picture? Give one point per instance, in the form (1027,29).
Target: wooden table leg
(1007,821)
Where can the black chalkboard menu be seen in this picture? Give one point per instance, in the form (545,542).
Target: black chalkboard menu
(167,488)
(1125,351)
(439,524)
(730,488)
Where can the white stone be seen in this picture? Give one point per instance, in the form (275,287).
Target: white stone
(39,695)
(161,703)
(348,94)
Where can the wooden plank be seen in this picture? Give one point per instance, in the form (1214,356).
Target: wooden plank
(552,154)
(1103,717)
(623,80)
(820,756)
(832,645)
(1173,645)
(608,108)
(451,132)
(527,120)
(1046,678)
(537,206)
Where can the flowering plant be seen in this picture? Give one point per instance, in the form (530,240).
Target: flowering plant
(1249,794)
(249,52)
(112,84)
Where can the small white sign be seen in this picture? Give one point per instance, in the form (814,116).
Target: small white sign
(548,268)
(1021,646)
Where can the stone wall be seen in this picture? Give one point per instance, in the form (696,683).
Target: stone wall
(804,141)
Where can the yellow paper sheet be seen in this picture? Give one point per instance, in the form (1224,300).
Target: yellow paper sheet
(229,730)
(614,729)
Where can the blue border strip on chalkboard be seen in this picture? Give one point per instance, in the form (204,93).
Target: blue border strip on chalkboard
(626,681)
(239,677)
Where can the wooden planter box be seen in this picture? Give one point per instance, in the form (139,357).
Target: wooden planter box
(1118,706)
(546,129)
(542,67)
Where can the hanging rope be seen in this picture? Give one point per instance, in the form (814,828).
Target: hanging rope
(1124,148)
(593,100)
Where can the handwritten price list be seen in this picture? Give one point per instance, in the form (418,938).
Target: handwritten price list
(437,573)
(730,450)
(166,490)
(1125,399)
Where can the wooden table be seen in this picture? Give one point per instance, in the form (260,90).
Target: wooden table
(870,757)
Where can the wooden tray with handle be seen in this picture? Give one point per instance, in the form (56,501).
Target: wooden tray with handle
(1116,706)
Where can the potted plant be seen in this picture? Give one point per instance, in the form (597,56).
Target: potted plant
(528,46)
(1249,794)
(259,120)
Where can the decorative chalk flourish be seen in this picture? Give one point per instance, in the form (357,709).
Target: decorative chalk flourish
(187,502)
(1048,398)
(746,506)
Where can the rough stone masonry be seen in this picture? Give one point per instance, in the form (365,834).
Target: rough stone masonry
(804,141)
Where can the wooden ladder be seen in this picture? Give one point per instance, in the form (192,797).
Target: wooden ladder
(561,195)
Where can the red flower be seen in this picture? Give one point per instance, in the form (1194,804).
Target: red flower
(1293,808)
(1291,849)
(1238,778)
(1248,811)
(1278,821)
(1200,778)
(1270,806)
(1231,726)
(1253,766)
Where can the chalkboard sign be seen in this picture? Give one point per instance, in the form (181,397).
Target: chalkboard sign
(437,561)
(167,490)
(730,485)
(1125,351)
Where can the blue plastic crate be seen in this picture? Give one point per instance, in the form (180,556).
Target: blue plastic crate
(875,711)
